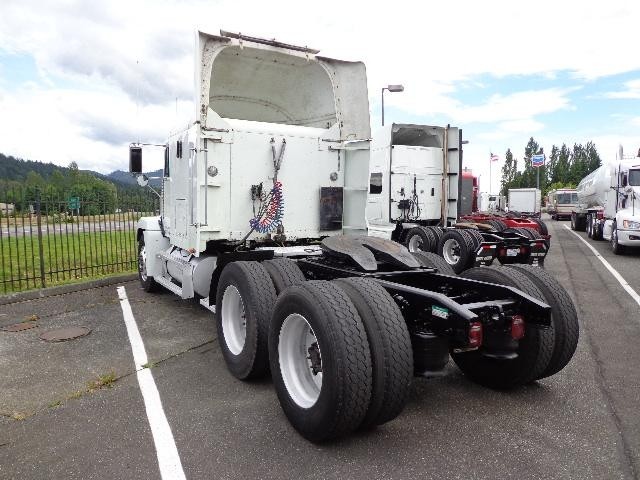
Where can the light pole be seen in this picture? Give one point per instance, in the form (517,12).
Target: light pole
(391,88)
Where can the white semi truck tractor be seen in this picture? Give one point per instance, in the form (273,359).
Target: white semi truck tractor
(609,203)
(262,219)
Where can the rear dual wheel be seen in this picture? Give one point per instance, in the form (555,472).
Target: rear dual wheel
(423,239)
(542,352)
(533,352)
(457,248)
(564,318)
(340,357)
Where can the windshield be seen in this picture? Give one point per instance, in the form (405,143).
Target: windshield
(565,198)
(634,178)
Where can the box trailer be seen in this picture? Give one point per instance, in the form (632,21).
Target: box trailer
(524,201)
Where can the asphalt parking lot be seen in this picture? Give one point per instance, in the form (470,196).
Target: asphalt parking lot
(75,409)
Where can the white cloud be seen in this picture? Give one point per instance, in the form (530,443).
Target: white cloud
(112,53)
(90,128)
(632,90)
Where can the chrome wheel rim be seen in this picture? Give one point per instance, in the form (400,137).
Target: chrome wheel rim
(142,263)
(234,321)
(415,244)
(451,251)
(300,360)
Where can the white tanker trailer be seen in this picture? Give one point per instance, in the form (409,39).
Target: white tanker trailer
(609,206)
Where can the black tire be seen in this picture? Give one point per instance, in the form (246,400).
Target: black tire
(457,249)
(532,233)
(564,318)
(476,236)
(390,348)
(589,226)
(432,260)
(534,349)
(147,282)
(345,391)
(519,231)
(616,248)
(597,232)
(257,297)
(420,239)
(494,225)
(499,225)
(543,226)
(437,235)
(284,272)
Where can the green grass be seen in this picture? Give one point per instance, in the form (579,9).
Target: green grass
(67,258)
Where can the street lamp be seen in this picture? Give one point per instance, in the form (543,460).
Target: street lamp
(391,88)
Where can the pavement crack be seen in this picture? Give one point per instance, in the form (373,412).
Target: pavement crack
(155,363)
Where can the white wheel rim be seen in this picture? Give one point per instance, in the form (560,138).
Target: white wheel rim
(451,251)
(234,322)
(142,263)
(415,244)
(295,346)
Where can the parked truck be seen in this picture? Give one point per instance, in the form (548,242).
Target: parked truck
(561,202)
(262,219)
(607,203)
(491,202)
(416,196)
(525,201)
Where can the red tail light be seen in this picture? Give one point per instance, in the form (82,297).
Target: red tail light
(475,335)
(517,327)
(600,214)
(523,250)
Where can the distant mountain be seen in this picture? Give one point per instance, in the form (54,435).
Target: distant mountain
(17,169)
(128,179)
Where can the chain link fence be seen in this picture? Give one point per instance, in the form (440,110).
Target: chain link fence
(49,238)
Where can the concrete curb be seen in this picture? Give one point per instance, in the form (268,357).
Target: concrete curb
(62,289)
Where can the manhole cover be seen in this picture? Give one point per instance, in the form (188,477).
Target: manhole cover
(18,327)
(63,334)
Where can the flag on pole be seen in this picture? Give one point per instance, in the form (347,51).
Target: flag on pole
(494,157)
(537,160)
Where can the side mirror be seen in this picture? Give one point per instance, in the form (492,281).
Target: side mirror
(135,159)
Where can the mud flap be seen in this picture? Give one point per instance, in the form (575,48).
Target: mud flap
(538,252)
(487,252)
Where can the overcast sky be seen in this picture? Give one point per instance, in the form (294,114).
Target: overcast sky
(79,80)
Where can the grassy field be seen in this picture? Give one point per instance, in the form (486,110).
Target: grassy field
(66,258)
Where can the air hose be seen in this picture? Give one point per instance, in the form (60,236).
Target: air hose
(269,216)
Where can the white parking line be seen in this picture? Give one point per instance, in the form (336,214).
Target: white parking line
(613,271)
(166,451)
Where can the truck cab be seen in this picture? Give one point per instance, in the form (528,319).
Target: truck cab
(608,203)
(277,155)
(622,211)
(414,178)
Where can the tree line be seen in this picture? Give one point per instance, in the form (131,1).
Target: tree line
(24,183)
(564,167)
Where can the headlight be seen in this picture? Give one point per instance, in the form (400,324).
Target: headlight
(631,225)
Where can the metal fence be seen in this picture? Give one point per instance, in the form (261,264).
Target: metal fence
(49,237)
